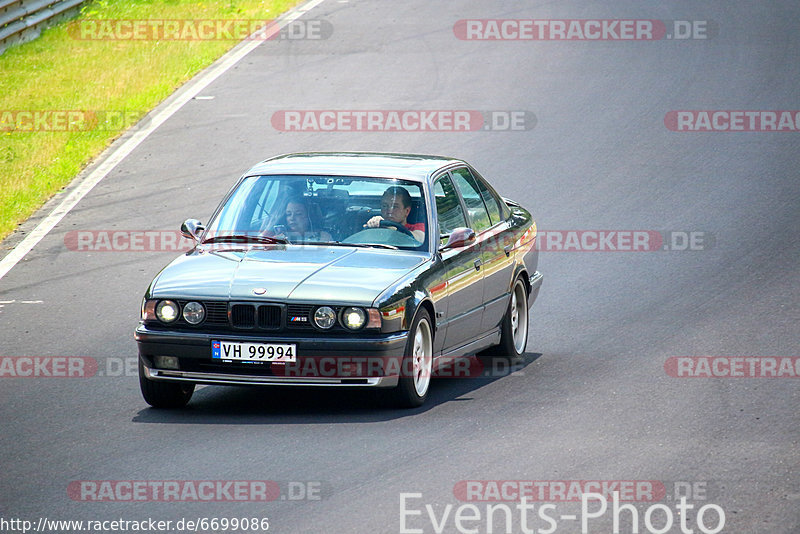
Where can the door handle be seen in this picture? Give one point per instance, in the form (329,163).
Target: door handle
(478,264)
(507,250)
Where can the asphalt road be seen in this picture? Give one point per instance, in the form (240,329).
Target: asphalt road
(593,401)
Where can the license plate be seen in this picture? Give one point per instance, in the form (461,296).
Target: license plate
(253,352)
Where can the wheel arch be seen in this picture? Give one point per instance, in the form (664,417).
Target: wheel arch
(522,272)
(421,301)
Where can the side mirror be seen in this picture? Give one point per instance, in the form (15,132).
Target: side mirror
(191,229)
(460,237)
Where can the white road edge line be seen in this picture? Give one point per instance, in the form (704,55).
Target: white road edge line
(214,71)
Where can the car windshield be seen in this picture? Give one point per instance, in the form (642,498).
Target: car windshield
(336,210)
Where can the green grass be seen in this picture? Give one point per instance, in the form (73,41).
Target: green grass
(59,72)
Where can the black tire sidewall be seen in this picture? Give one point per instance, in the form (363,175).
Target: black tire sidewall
(405,392)
(507,343)
(164,394)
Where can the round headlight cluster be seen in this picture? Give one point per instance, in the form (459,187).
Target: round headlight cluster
(325,317)
(354,318)
(167,311)
(351,318)
(194,313)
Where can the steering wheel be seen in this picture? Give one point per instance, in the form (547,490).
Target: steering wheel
(385,223)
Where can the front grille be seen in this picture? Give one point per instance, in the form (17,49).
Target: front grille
(216,313)
(260,316)
(269,317)
(243,316)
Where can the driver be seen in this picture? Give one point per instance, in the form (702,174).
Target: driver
(395,207)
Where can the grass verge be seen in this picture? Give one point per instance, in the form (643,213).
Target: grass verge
(108,82)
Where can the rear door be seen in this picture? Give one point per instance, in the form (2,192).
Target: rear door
(486,217)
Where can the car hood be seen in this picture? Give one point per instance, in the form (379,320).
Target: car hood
(298,273)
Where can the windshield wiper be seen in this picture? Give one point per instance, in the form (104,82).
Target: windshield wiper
(262,239)
(359,245)
(245,239)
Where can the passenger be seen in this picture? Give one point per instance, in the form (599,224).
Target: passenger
(395,207)
(297,223)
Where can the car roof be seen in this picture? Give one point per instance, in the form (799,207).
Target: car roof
(372,164)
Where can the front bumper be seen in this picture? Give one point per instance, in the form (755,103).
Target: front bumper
(248,380)
(321,361)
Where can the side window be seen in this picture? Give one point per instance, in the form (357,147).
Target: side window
(472,198)
(448,208)
(490,199)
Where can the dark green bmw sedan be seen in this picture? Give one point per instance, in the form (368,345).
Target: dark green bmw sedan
(361,270)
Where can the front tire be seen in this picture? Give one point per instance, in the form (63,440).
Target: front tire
(164,394)
(417,365)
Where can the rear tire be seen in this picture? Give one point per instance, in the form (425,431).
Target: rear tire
(164,394)
(514,328)
(417,365)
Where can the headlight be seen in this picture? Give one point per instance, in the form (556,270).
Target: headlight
(354,318)
(325,317)
(167,311)
(194,313)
